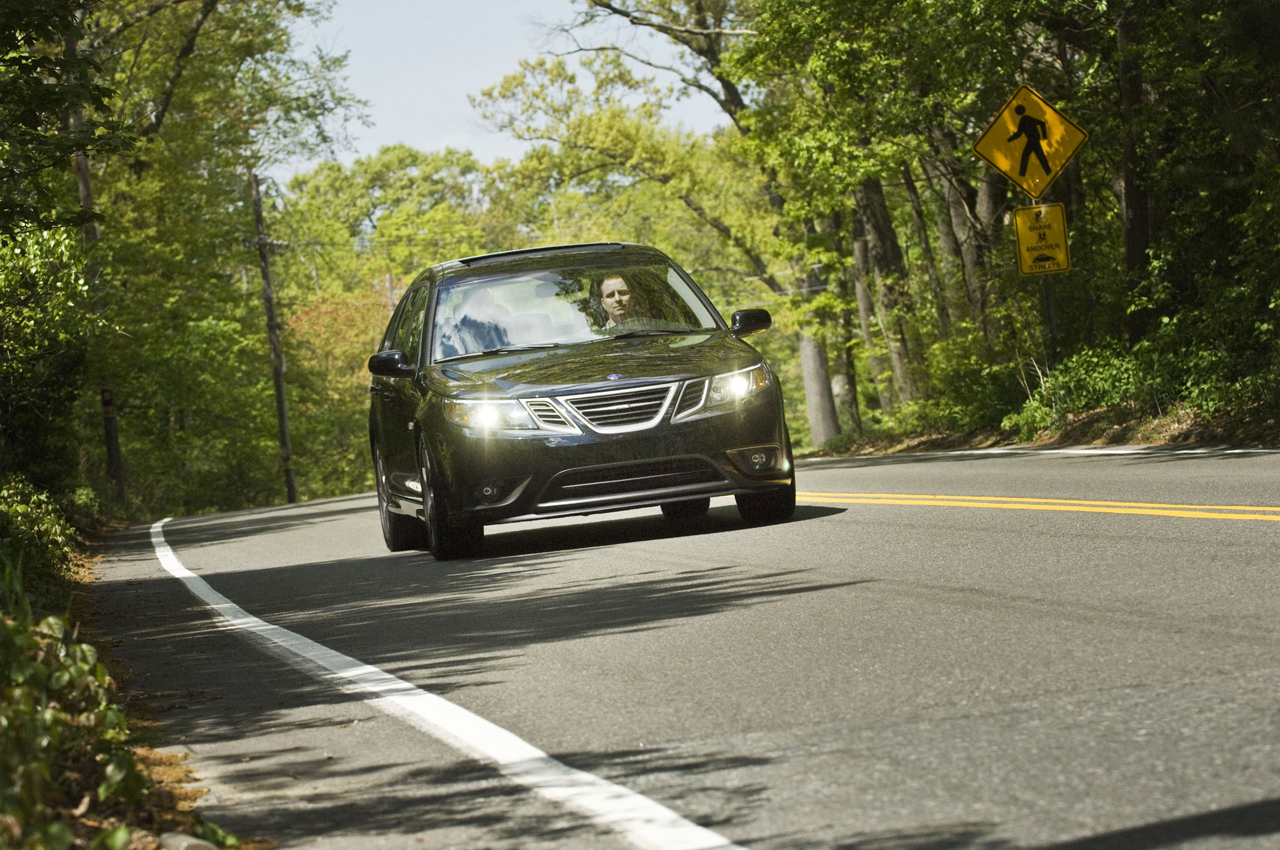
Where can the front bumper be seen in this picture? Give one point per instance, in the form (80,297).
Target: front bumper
(488,478)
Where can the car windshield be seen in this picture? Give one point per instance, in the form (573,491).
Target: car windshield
(564,306)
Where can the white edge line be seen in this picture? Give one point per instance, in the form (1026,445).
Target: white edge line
(641,821)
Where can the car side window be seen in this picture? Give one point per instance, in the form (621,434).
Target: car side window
(409,333)
(389,337)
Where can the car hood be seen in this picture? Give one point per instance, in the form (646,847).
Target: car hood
(607,363)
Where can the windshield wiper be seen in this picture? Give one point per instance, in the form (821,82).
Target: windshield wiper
(504,349)
(656,332)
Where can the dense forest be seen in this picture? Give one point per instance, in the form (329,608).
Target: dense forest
(165,303)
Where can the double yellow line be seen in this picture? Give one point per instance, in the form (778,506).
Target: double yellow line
(1012,503)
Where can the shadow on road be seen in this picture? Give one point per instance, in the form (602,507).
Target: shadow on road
(441,625)
(538,538)
(1251,820)
(412,801)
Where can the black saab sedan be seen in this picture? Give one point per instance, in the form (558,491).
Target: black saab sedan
(568,380)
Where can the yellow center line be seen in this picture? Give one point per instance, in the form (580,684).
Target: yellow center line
(1012,503)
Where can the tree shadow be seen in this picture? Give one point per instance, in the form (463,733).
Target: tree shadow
(537,538)
(444,626)
(135,541)
(1250,820)
(468,793)
(412,800)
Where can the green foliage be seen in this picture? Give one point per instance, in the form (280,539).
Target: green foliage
(829,106)
(61,738)
(187,351)
(35,550)
(1089,380)
(44,326)
(41,84)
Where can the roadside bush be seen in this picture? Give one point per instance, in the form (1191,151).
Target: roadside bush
(1089,380)
(35,542)
(63,744)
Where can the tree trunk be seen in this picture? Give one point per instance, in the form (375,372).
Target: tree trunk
(950,258)
(833,228)
(890,272)
(849,369)
(993,202)
(875,363)
(962,201)
(1135,207)
(926,252)
(823,424)
(110,424)
(273,337)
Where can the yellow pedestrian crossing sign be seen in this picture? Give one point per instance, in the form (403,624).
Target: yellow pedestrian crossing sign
(1030,142)
(1042,239)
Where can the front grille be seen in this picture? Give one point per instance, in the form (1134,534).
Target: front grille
(631,478)
(548,416)
(622,410)
(691,398)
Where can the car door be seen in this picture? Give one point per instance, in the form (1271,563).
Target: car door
(380,388)
(399,400)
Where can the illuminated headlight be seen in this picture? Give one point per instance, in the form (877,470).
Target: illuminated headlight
(489,415)
(736,386)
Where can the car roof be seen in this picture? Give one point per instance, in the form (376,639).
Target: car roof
(501,261)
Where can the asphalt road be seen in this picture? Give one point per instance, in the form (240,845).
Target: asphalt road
(987,668)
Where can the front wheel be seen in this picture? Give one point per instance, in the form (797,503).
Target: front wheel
(400,532)
(774,505)
(447,543)
(771,506)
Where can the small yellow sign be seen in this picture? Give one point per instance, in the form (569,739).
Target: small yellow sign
(1042,239)
(1030,142)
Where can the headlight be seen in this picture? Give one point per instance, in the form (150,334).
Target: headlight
(489,415)
(736,386)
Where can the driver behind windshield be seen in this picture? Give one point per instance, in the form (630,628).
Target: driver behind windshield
(615,297)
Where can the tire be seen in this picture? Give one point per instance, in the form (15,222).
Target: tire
(446,542)
(686,510)
(773,505)
(401,533)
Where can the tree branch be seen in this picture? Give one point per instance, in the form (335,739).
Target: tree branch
(691,82)
(179,64)
(637,21)
(114,33)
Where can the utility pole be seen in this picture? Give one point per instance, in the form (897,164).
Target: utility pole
(273,337)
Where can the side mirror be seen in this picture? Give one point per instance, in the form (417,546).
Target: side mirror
(390,364)
(748,322)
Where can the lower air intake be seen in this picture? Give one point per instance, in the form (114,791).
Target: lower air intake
(631,479)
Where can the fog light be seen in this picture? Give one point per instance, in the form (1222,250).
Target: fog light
(757,459)
(498,491)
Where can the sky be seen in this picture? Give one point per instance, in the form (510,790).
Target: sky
(416,61)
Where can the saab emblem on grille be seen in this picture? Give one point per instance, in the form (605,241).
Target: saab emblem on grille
(615,376)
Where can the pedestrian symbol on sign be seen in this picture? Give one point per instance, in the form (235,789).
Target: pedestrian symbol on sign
(1034,130)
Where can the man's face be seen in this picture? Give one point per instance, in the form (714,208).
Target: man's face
(616,298)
